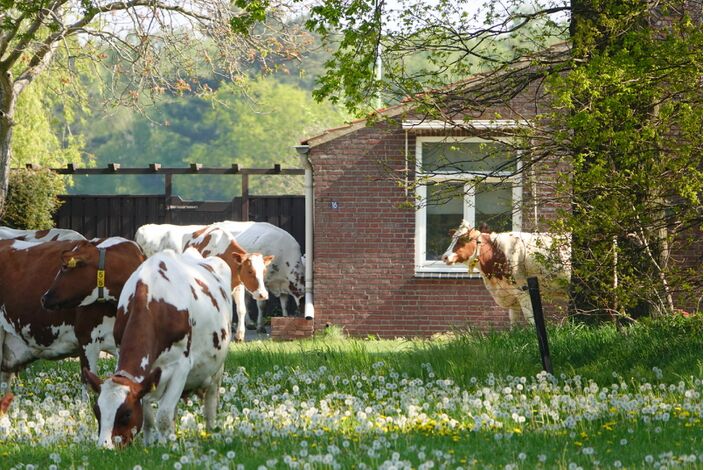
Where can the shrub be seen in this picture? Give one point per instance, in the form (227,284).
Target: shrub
(32,198)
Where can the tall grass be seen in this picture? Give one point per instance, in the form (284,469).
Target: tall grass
(668,349)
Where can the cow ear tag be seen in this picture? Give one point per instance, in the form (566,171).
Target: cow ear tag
(71,263)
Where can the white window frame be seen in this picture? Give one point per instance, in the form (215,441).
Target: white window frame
(429,267)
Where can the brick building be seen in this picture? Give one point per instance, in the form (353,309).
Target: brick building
(376,261)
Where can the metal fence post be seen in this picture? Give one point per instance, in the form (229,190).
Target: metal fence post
(534,291)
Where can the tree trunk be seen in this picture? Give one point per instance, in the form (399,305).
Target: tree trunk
(8,100)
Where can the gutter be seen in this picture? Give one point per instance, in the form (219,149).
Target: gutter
(303,150)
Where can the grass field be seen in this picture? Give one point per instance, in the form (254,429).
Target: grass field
(619,399)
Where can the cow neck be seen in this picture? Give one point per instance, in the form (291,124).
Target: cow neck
(137,337)
(492,261)
(151,327)
(235,267)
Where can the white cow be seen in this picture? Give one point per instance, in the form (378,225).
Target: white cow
(506,260)
(286,273)
(39,236)
(154,238)
(173,331)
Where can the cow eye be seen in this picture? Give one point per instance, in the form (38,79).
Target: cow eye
(124,418)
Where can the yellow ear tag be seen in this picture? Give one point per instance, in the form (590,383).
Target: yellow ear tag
(71,263)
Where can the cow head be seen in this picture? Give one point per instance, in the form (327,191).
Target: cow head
(119,408)
(251,268)
(79,281)
(465,245)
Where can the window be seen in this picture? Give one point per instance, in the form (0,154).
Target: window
(462,178)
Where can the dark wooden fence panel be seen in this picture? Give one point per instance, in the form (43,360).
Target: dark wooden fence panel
(103,216)
(286,212)
(182,212)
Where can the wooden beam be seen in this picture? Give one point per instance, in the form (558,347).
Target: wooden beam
(198,168)
(113,167)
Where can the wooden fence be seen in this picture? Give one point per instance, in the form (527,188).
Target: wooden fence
(121,215)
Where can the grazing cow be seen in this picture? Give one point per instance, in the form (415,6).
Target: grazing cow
(28,331)
(154,238)
(506,260)
(248,269)
(286,274)
(173,332)
(54,234)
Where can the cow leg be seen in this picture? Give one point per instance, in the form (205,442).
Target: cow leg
(514,313)
(283,300)
(238,296)
(212,397)
(261,307)
(5,377)
(249,323)
(526,307)
(88,358)
(169,400)
(151,433)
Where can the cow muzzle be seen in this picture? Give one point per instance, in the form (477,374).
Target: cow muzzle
(49,301)
(260,294)
(449,258)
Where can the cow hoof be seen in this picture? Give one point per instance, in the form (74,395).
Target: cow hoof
(239,338)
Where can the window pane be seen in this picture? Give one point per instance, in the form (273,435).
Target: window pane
(494,206)
(444,211)
(466,157)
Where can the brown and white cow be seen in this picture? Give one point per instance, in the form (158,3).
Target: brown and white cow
(173,332)
(506,260)
(28,331)
(248,269)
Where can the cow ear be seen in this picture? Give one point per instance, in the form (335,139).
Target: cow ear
(268,260)
(484,228)
(5,402)
(92,380)
(70,259)
(150,383)
(452,232)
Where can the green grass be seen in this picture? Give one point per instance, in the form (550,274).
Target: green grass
(635,396)
(673,345)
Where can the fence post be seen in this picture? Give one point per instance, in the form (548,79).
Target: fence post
(245,197)
(534,291)
(168,185)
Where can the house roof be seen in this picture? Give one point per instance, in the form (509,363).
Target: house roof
(408,103)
